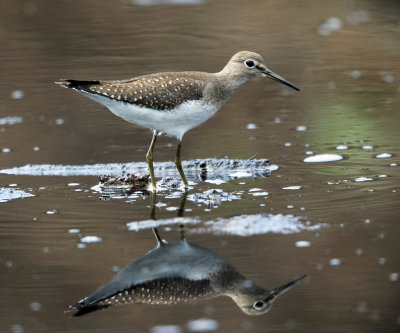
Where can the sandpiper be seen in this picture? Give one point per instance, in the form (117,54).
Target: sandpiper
(174,102)
(181,272)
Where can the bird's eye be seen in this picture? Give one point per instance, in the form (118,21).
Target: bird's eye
(258,305)
(249,63)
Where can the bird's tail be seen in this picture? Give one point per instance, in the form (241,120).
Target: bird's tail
(81,308)
(77,84)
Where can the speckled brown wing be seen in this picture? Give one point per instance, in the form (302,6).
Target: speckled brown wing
(162,91)
(172,290)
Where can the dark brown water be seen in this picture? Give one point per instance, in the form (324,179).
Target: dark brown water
(350,94)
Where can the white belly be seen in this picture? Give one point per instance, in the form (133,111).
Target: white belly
(174,122)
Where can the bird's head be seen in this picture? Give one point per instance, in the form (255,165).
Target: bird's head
(250,65)
(254,300)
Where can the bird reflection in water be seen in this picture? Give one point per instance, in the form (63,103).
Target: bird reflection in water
(181,272)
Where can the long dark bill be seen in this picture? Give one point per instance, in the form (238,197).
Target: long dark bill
(280,79)
(283,289)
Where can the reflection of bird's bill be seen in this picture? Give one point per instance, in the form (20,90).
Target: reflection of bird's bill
(280,79)
(283,289)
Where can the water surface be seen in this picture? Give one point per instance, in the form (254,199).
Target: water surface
(342,55)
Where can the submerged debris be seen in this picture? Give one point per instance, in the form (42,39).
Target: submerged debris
(121,187)
(139,181)
(170,183)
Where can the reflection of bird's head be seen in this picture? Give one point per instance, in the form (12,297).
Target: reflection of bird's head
(254,300)
(254,305)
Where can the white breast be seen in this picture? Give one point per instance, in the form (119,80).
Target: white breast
(174,122)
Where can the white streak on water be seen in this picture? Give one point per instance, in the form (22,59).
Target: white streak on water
(243,225)
(147,224)
(248,225)
(323,158)
(294,187)
(217,168)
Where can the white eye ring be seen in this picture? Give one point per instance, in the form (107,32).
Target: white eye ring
(258,305)
(249,63)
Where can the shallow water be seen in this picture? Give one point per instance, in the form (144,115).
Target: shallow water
(348,71)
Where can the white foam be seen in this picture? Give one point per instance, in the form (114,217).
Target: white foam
(240,174)
(10,120)
(91,239)
(303,244)
(243,225)
(335,262)
(384,155)
(342,147)
(217,168)
(215,181)
(147,224)
(166,329)
(17,94)
(35,306)
(301,128)
(330,25)
(74,231)
(251,126)
(323,158)
(7,194)
(260,194)
(367,147)
(202,325)
(165,3)
(294,187)
(248,225)
(73,184)
(363,179)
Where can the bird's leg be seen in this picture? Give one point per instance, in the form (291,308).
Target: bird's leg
(153,217)
(179,164)
(153,206)
(149,159)
(160,242)
(181,210)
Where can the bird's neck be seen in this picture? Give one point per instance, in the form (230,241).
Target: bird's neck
(243,290)
(223,86)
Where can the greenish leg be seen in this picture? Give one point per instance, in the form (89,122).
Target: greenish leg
(149,159)
(179,164)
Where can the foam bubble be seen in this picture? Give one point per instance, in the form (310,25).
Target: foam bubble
(323,158)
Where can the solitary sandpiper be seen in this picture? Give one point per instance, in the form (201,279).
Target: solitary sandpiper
(181,272)
(174,102)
